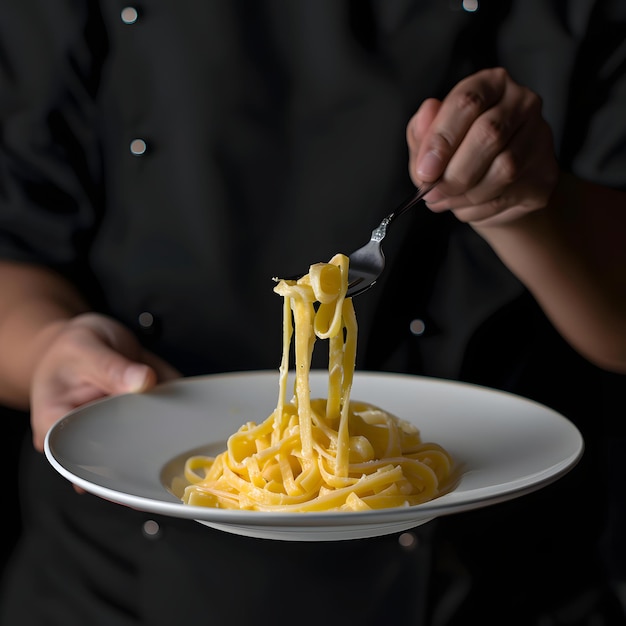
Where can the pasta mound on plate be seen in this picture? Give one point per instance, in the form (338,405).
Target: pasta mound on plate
(314,454)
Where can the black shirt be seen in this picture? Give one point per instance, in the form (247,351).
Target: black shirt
(172,157)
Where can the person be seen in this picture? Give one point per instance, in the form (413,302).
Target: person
(161,162)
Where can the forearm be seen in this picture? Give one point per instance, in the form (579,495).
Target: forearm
(33,301)
(570,257)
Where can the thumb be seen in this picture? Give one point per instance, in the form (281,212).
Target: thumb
(416,134)
(137,377)
(107,355)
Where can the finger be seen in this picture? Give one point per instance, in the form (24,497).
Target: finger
(458,111)
(514,203)
(109,355)
(93,374)
(418,125)
(55,398)
(164,371)
(496,187)
(486,143)
(112,371)
(524,173)
(525,195)
(416,130)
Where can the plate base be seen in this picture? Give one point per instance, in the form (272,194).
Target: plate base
(317,533)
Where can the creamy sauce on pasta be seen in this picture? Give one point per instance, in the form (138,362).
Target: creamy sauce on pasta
(320,454)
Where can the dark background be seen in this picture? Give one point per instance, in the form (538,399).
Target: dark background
(15,427)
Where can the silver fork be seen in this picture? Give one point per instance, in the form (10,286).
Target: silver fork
(368,262)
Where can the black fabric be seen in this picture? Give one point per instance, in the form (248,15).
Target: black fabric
(266,120)
(95,565)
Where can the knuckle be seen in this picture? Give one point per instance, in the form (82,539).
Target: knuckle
(412,132)
(534,102)
(506,167)
(459,181)
(469,102)
(500,73)
(495,206)
(68,342)
(492,131)
(441,143)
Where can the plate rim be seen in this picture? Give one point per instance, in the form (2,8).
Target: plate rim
(284,522)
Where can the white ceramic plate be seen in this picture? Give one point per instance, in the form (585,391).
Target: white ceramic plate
(130,449)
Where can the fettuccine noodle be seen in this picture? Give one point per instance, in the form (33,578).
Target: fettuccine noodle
(320,454)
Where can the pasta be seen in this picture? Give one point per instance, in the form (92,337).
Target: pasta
(314,454)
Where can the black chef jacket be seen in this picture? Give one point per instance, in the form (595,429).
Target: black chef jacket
(170,158)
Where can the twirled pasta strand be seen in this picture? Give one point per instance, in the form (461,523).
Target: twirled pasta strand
(320,454)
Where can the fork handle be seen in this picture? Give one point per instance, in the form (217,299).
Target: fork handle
(410,202)
(378,234)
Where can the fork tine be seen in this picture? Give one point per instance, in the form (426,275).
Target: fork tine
(368,262)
